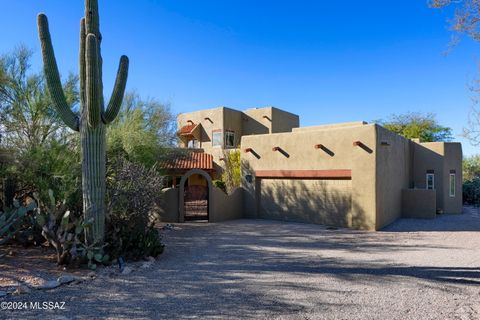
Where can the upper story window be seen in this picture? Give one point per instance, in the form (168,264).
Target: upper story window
(229,139)
(430,181)
(452,185)
(217,138)
(193,144)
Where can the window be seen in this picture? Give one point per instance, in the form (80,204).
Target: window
(229,139)
(430,181)
(193,144)
(452,185)
(217,138)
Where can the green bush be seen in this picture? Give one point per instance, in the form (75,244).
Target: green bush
(54,166)
(220,184)
(471,191)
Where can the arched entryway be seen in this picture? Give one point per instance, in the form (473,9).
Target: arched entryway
(195,198)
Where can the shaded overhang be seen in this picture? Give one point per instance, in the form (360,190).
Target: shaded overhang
(190,131)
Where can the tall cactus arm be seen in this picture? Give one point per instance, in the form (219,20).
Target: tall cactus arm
(118,92)
(91,83)
(53,77)
(83,37)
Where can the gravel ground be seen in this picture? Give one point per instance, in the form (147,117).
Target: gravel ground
(414,269)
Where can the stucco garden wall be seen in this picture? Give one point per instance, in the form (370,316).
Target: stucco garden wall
(226,207)
(169,205)
(419,203)
(223,207)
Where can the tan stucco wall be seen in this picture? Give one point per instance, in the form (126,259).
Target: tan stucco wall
(393,171)
(303,156)
(222,119)
(255,123)
(226,207)
(419,204)
(250,122)
(440,157)
(429,156)
(169,205)
(283,121)
(232,121)
(330,126)
(453,161)
(325,201)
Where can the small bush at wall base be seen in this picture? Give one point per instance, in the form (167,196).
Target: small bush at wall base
(220,184)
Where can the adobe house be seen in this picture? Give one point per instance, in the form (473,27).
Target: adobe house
(355,175)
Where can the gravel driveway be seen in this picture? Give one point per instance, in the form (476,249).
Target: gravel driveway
(414,269)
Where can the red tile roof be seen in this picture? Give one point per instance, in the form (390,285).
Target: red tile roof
(188,129)
(190,160)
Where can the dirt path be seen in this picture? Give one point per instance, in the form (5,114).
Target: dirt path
(265,269)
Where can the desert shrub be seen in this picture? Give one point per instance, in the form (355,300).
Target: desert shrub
(133,194)
(53,166)
(471,191)
(17,222)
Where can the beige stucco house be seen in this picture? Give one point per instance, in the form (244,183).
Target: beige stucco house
(355,174)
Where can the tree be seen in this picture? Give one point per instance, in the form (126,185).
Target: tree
(471,168)
(141,130)
(466,18)
(415,125)
(32,133)
(27,115)
(466,21)
(94,116)
(471,180)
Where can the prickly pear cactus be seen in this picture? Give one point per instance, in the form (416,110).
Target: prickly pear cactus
(93,118)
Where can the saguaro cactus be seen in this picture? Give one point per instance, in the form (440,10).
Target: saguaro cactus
(93,118)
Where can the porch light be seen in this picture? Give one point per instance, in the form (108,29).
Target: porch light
(208,119)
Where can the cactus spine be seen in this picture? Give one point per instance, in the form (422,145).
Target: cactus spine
(93,118)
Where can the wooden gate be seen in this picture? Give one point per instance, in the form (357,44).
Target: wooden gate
(196,202)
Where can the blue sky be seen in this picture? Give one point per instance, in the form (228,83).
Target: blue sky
(328,61)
